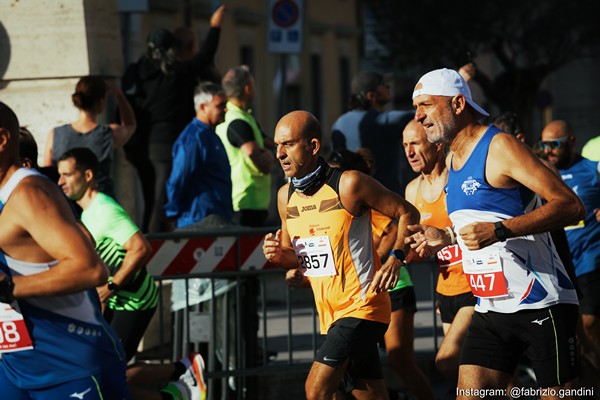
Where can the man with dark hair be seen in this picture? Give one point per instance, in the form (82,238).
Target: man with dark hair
(58,345)
(251,161)
(130,295)
(367,124)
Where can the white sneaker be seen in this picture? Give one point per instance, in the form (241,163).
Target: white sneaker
(193,378)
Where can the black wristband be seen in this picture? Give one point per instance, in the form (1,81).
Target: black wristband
(7,287)
(500,231)
(113,287)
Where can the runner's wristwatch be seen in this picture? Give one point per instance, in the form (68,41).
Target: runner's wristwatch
(113,287)
(6,290)
(500,231)
(398,255)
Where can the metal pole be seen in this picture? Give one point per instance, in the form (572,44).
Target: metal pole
(283,84)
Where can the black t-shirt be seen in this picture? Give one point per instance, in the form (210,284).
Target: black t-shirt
(240,132)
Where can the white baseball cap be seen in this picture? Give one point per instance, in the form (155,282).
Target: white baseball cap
(446,82)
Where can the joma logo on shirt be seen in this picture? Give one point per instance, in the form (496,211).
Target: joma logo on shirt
(309,208)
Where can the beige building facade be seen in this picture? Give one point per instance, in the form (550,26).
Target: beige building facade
(46,46)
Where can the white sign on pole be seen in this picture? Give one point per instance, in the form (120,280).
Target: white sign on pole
(286,20)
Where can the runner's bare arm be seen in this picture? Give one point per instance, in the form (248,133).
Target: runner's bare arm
(44,229)
(510,162)
(277,247)
(360,193)
(138,251)
(386,243)
(47,159)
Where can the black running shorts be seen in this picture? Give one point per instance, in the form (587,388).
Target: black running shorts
(449,305)
(546,336)
(404,299)
(354,339)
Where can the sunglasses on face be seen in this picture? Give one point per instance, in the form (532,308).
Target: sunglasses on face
(553,144)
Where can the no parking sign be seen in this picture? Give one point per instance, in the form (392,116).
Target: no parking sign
(286,19)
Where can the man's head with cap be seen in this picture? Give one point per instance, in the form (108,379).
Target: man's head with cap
(446,82)
(442,98)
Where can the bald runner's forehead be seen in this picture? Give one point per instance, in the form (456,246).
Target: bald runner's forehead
(299,124)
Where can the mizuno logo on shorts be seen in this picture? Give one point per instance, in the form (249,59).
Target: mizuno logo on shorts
(539,321)
(80,395)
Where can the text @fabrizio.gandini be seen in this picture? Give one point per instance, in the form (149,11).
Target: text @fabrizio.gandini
(517,392)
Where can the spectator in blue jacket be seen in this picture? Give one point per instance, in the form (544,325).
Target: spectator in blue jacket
(199,187)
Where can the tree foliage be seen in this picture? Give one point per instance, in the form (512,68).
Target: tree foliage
(528,39)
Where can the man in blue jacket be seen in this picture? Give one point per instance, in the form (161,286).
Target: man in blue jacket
(199,188)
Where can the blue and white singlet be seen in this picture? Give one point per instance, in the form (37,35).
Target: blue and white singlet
(534,275)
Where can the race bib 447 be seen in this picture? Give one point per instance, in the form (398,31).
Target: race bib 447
(485,275)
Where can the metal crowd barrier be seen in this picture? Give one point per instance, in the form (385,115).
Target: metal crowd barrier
(247,323)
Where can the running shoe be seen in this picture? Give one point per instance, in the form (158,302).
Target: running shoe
(193,378)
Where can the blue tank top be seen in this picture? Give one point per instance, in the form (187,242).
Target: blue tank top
(534,275)
(584,238)
(71,339)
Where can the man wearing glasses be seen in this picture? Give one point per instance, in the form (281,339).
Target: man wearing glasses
(581,175)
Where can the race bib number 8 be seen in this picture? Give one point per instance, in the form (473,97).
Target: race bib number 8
(315,256)
(13,331)
(485,275)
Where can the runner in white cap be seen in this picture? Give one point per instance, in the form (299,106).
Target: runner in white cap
(527,304)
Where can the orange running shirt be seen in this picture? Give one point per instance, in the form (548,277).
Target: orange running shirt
(452,280)
(347,293)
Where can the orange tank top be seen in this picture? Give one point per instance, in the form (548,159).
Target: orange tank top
(451,280)
(321,217)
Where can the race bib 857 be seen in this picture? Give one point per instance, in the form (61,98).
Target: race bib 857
(315,256)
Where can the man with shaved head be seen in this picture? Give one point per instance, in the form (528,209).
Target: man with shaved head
(426,192)
(326,234)
(583,176)
(55,343)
